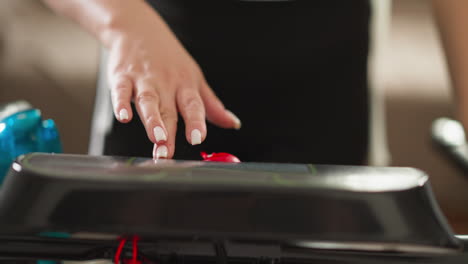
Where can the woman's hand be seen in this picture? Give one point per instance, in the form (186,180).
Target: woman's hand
(150,66)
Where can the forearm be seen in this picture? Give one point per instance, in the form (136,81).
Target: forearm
(452,19)
(105,18)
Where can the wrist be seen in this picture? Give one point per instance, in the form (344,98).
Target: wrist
(120,20)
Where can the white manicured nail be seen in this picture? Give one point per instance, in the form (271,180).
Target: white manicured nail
(236,120)
(159,134)
(123,114)
(195,137)
(161,152)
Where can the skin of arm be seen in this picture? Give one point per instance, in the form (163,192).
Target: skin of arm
(452,20)
(149,66)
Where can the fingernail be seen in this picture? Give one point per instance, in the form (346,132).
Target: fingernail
(123,114)
(236,120)
(195,137)
(159,134)
(161,152)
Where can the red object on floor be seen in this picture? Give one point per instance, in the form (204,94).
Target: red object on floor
(118,253)
(220,157)
(119,250)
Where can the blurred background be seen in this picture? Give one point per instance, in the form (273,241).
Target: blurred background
(53,64)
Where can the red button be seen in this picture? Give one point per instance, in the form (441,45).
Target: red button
(220,157)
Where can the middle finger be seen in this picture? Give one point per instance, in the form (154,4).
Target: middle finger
(147,101)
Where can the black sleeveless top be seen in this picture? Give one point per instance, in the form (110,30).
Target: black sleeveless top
(295,72)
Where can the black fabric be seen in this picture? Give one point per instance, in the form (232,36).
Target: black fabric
(294,72)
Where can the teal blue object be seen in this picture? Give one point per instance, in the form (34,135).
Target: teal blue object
(55,234)
(52,234)
(47,262)
(24,132)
